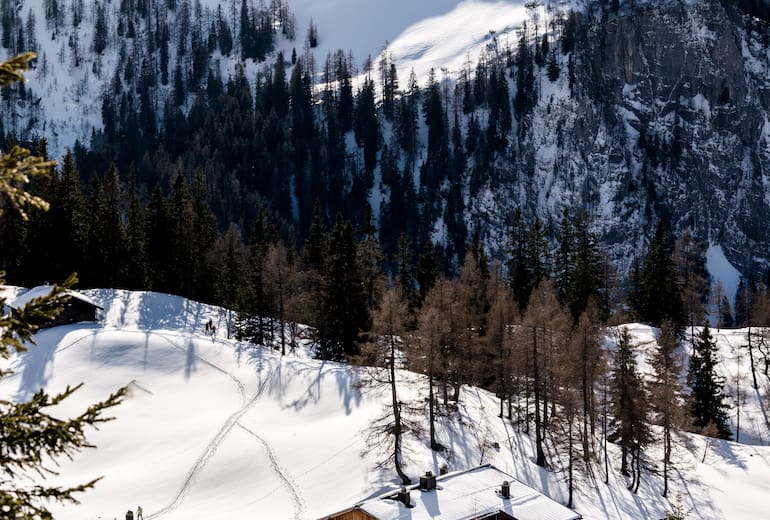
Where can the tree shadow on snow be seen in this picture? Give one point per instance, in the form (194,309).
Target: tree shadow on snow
(36,363)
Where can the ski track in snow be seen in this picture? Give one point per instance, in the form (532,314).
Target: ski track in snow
(214,444)
(299,504)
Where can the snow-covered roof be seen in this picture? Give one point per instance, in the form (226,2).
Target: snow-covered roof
(9,292)
(43,290)
(467,495)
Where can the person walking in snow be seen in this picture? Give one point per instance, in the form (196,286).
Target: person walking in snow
(209,324)
(139,513)
(129,515)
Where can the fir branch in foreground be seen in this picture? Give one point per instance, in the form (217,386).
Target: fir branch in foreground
(32,440)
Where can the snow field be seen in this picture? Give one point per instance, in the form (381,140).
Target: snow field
(221,429)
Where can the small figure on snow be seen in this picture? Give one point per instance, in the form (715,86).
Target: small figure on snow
(213,330)
(209,326)
(139,513)
(129,515)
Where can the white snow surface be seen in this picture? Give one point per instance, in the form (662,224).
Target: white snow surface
(419,36)
(217,429)
(722,270)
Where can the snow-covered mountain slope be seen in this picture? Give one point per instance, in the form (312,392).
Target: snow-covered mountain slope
(70,78)
(660,109)
(218,429)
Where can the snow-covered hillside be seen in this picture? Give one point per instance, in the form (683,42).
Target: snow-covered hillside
(214,428)
(70,79)
(658,110)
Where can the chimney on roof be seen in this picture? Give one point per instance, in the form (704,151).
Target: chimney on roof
(403,497)
(428,481)
(505,489)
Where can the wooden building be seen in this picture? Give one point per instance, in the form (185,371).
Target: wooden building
(78,308)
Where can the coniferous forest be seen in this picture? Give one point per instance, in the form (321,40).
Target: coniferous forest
(251,192)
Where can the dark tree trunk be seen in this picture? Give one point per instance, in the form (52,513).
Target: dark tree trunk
(396,415)
(536,382)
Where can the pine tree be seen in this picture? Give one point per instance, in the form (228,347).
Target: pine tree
(256,304)
(343,312)
(32,438)
(629,407)
(580,265)
(136,256)
(690,257)
(367,126)
(406,277)
(518,278)
(158,235)
(427,270)
(67,222)
(312,35)
(657,295)
(370,261)
(315,245)
(100,30)
(706,400)
(106,251)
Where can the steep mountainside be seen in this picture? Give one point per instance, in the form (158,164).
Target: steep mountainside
(632,111)
(669,119)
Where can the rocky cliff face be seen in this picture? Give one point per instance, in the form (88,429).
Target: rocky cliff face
(668,118)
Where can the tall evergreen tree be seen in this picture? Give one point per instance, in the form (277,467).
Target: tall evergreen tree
(343,312)
(158,235)
(427,270)
(657,294)
(706,400)
(136,257)
(106,238)
(629,407)
(518,278)
(68,222)
(367,126)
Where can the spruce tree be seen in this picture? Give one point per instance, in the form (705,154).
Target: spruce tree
(343,312)
(158,236)
(518,276)
(136,261)
(427,270)
(67,221)
(706,401)
(657,295)
(630,404)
